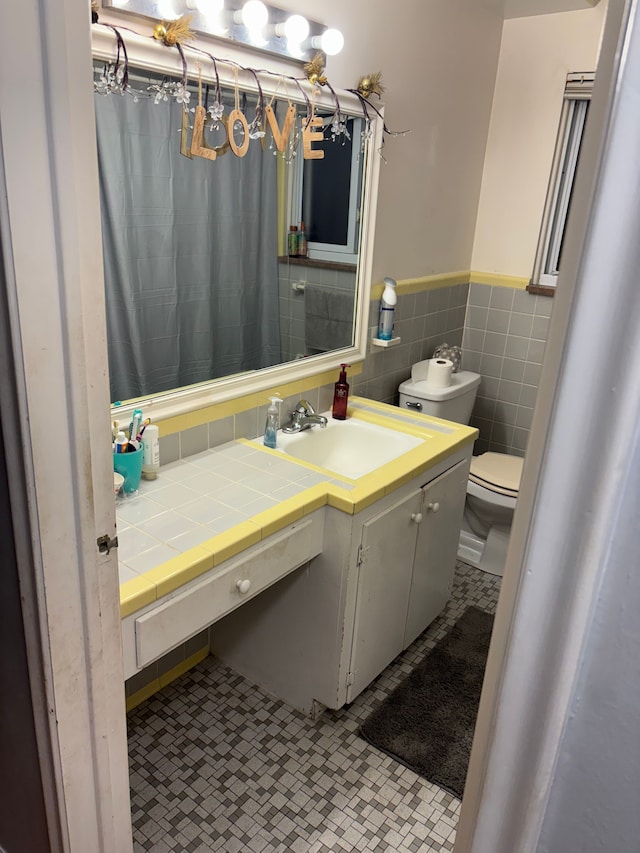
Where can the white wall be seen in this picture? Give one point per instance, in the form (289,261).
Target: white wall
(438,60)
(535,56)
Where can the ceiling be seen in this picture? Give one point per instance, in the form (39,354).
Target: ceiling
(526,8)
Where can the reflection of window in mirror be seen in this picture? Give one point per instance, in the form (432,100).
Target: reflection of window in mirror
(560,192)
(327,194)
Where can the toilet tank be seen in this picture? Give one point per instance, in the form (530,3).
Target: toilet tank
(454,403)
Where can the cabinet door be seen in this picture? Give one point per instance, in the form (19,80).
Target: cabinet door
(386,560)
(436,548)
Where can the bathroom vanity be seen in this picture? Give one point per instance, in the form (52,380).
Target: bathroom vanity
(312,597)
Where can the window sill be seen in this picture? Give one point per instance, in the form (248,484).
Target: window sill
(540,289)
(313,262)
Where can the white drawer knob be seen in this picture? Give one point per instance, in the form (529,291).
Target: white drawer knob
(417,517)
(243,586)
(434,507)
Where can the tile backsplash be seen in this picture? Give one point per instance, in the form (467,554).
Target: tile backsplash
(422,321)
(502,331)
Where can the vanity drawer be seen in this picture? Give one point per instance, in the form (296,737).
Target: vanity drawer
(224,588)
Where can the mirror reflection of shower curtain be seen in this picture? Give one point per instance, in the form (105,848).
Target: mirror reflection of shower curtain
(190,252)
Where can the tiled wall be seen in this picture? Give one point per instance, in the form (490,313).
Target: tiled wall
(505,333)
(292,342)
(422,321)
(247,424)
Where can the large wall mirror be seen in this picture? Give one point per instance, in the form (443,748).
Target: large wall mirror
(226,275)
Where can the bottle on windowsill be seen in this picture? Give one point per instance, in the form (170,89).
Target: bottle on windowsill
(292,241)
(302,242)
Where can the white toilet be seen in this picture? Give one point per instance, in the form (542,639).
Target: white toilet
(494,478)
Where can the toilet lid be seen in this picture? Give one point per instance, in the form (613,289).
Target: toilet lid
(499,472)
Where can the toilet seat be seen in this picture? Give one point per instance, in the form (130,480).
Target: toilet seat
(490,496)
(497,472)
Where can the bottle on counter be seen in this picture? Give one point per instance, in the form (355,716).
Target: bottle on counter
(387,309)
(292,241)
(150,452)
(271,426)
(341,395)
(302,242)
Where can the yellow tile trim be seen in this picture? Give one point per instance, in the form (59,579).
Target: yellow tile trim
(276,517)
(217,411)
(148,690)
(184,666)
(135,594)
(226,545)
(426,282)
(314,498)
(498,280)
(180,569)
(139,696)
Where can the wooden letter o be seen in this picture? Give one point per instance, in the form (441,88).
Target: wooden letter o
(238,150)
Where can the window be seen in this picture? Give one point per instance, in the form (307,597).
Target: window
(566,157)
(327,195)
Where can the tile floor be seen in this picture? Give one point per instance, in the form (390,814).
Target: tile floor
(217,765)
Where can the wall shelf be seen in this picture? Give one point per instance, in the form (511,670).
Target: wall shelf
(377,342)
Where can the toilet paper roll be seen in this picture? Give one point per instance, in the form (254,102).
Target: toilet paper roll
(440,370)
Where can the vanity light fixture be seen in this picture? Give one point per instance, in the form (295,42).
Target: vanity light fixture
(254,15)
(296,30)
(250,22)
(330,42)
(212,12)
(167,10)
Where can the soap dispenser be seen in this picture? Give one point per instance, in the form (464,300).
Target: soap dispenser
(341,395)
(271,426)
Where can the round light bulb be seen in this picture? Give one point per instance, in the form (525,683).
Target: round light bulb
(209,7)
(332,42)
(296,28)
(254,15)
(166,10)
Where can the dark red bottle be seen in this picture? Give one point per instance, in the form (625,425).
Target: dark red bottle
(341,395)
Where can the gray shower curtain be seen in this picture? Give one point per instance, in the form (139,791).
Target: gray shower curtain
(190,253)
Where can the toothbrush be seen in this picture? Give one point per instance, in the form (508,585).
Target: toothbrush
(144,426)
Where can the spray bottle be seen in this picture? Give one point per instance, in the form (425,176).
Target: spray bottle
(271,426)
(387,308)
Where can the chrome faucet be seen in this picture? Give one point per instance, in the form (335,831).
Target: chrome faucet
(303,417)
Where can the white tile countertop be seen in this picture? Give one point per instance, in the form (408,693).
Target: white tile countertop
(195,499)
(209,507)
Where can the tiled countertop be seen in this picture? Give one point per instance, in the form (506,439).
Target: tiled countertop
(211,506)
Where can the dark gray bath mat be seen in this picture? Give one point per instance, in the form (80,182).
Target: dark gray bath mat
(427,722)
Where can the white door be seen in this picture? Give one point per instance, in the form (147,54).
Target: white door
(386,560)
(52,264)
(436,548)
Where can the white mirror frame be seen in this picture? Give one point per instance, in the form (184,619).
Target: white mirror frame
(148,54)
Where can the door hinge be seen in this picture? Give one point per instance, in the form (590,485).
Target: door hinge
(105,543)
(362,554)
(350,679)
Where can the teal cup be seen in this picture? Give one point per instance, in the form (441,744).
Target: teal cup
(130,466)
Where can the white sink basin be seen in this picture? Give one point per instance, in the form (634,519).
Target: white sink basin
(349,448)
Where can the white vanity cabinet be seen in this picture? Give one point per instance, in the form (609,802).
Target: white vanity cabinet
(385,567)
(438,532)
(324,633)
(405,563)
